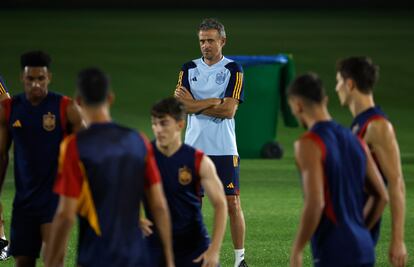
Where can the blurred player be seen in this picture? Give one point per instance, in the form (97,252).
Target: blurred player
(104,172)
(36,122)
(333,165)
(4,249)
(211,89)
(183,169)
(356,77)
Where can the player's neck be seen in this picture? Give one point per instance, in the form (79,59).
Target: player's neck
(317,115)
(96,114)
(361,103)
(169,149)
(213,61)
(35,101)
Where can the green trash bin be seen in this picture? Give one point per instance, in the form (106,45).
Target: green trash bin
(265,82)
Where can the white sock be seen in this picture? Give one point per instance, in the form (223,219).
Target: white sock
(239,256)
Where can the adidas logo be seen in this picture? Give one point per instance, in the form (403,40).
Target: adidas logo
(17,124)
(230,185)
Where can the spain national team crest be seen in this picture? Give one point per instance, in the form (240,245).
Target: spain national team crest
(49,122)
(184,175)
(220,77)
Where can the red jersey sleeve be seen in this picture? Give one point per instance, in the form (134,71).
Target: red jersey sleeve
(152,174)
(70,176)
(6,104)
(64,103)
(198,158)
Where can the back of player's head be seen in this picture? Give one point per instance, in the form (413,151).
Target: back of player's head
(360,69)
(169,106)
(93,86)
(309,87)
(212,24)
(35,59)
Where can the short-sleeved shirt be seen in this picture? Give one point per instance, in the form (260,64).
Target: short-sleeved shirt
(214,136)
(341,238)
(181,183)
(359,127)
(107,167)
(36,132)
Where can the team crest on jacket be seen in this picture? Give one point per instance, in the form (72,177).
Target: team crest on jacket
(49,122)
(220,77)
(184,175)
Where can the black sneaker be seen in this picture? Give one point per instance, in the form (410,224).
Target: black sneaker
(3,243)
(243,264)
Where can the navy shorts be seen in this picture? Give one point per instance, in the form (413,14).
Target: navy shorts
(25,235)
(228,169)
(187,247)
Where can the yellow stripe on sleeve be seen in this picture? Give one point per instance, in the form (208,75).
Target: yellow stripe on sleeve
(180,78)
(240,86)
(86,206)
(2,89)
(236,85)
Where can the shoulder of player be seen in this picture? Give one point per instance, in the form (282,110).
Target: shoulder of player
(233,67)
(188,65)
(5,108)
(379,130)
(308,147)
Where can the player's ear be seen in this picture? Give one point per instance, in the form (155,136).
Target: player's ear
(350,84)
(223,41)
(325,100)
(110,98)
(294,105)
(181,124)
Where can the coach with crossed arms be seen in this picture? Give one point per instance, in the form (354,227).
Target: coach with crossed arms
(211,88)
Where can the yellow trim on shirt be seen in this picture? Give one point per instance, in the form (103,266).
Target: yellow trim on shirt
(86,206)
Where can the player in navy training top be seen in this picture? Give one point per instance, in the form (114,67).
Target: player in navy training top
(104,173)
(36,122)
(356,77)
(183,170)
(211,88)
(333,164)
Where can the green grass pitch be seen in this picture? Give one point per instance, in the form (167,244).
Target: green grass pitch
(143,51)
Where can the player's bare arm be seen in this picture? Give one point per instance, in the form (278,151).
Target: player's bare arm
(74,117)
(63,221)
(5,143)
(308,157)
(191,105)
(382,141)
(159,209)
(226,110)
(375,187)
(215,193)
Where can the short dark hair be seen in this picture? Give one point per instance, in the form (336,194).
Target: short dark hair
(361,70)
(35,59)
(169,106)
(212,24)
(93,86)
(308,86)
